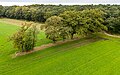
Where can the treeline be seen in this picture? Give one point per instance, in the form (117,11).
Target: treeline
(41,13)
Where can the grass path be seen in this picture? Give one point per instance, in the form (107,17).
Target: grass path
(112,35)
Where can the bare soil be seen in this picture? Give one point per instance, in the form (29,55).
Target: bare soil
(42,47)
(17,22)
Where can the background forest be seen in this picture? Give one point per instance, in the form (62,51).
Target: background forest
(40,13)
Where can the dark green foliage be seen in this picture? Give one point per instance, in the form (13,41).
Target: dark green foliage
(113,25)
(74,22)
(93,20)
(83,22)
(53,27)
(41,13)
(1,8)
(71,20)
(25,38)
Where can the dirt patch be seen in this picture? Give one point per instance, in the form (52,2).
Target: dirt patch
(42,47)
(87,41)
(17,22)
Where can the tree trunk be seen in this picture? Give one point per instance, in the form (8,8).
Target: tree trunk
(72,35)
(54,41)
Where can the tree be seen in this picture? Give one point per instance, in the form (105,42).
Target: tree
(93,20)
(26,13)
(25,38)
(37,15)
(1,8)
(64,32)
(84,22)
(53,27)
(113,25)
(18,12)
(70,19)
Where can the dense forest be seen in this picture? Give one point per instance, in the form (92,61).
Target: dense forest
(40,13)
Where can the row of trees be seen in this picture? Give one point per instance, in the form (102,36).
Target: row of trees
(69,23)
(33,12)
(64,26)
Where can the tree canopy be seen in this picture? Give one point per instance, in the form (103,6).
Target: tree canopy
(69,23)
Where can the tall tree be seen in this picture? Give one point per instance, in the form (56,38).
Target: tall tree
(70,19)
(113,25)
(53,26)
(93,20)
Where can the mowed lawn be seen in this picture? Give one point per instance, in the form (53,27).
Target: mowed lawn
(87,56)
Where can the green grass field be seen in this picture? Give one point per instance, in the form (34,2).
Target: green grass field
(87,56)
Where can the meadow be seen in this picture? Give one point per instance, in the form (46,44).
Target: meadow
(95,55)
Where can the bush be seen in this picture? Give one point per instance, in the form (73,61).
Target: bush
(25,38)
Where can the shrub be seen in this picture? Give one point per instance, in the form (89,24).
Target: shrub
(25,38)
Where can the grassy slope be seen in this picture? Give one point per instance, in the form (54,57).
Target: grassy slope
(82,57)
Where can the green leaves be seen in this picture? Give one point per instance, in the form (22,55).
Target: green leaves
(53,27)
(54,21)
(77,22)
(25,38)
(113,24)
(93,20)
